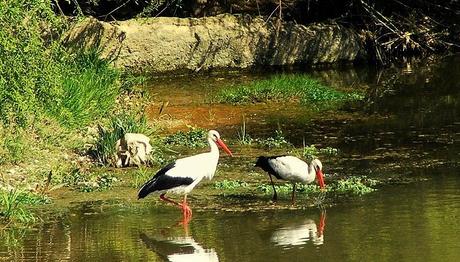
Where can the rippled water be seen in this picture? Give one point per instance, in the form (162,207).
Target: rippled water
(409,126)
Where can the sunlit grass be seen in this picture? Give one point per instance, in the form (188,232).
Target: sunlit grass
(284,87)
(13,206)
(89,90)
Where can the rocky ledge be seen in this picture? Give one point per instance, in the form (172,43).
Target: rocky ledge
(167,44)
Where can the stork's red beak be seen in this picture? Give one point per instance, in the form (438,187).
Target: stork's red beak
(320,177)
(224,147)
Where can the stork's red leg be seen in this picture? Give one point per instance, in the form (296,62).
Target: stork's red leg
(186,210)
(162,197)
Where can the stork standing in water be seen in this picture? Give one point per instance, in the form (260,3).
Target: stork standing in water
(291,169)
(184,174)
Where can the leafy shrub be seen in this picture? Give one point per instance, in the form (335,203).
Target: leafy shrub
(15,147)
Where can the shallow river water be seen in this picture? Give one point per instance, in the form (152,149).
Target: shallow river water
(409,125)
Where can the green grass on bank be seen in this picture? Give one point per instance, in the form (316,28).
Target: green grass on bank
(48,94)
(286,87)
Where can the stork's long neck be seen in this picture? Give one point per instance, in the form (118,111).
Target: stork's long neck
(214,149)
(311,175)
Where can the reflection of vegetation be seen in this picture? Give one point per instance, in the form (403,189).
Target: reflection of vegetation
(12,237)
(193,138)
(285,87)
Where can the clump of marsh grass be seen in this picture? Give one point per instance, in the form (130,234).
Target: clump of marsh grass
(13,206)
(282,87)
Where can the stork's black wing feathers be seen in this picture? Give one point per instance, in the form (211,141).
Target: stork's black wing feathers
(161,181)
(262,162)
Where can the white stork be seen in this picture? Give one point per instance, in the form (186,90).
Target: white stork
(291,169)
(184,174)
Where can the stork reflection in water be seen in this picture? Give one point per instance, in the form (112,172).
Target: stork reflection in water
(297,234)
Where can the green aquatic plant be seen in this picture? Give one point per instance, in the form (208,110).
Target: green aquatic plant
(195,137)
(286,189)
(302,87)
(99,182)
(350,186)
(230,184)
(354,185)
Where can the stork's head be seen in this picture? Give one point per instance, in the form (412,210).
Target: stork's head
(214,136)
(318,167)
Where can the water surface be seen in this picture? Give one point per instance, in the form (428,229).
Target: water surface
(409,126)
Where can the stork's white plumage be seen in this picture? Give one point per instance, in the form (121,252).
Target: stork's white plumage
(291,169)
(184,174)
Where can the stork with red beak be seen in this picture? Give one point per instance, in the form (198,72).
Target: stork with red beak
(184,174)
(291,169)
